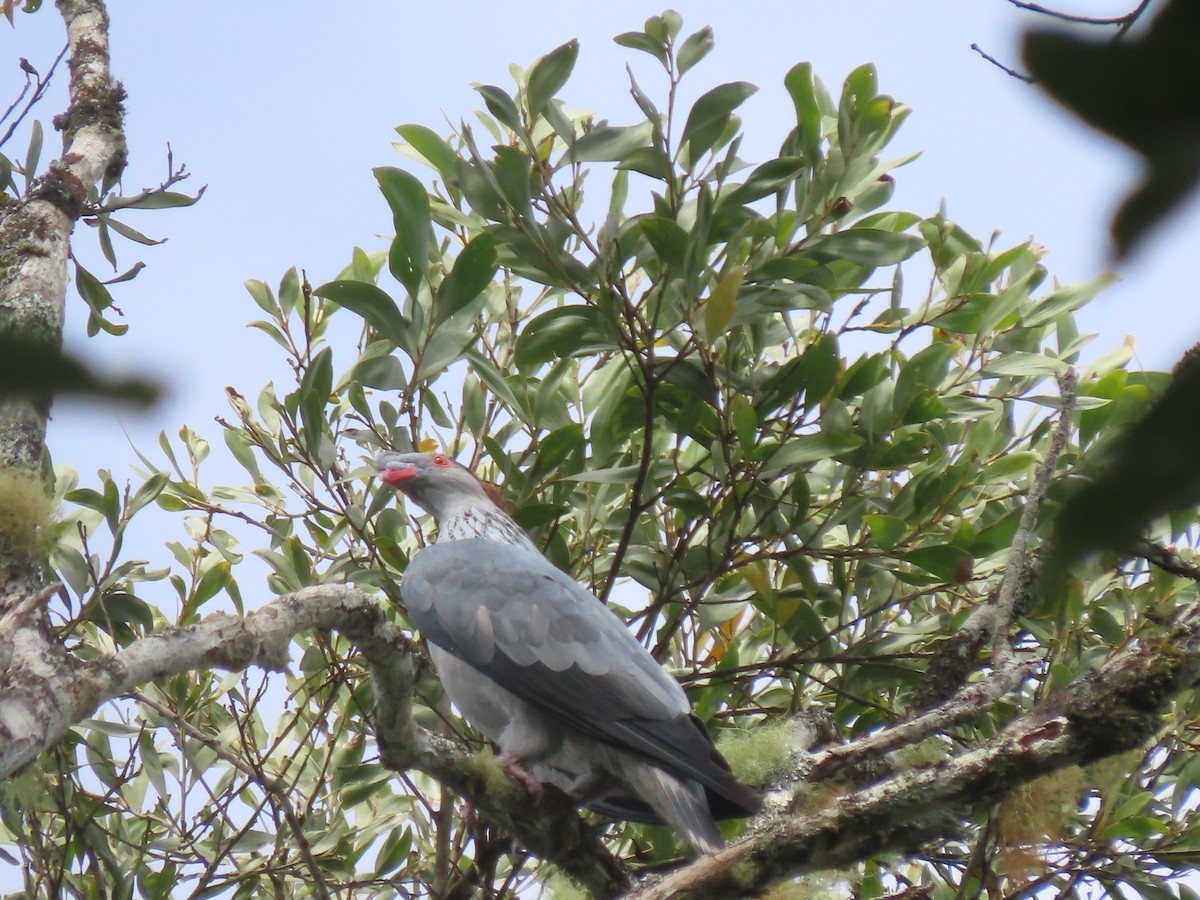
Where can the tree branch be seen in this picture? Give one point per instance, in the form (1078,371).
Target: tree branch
(41,698)
(1124,21)
(1007,70)
(1005,608)
(1114,709)
(1168,559)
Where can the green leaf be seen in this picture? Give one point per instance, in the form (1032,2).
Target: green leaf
(808,448)
(768,178)
(1014,466)
(1065,299)
(290,292)
(548,75)
(745,421)
(671,21)
(164,200)
(315,387)
(33,154)
(694,48)
(513,168)
(128,233)
(149,491)
(444,347)
(394,851)
(669,241)
(382,372)
(432,147)
(802,89)
(1136,829)
(121,607)
(709,115)
(472,273)
(609,143)
(152,762)
(722,303)
(886,531)
(867,246)
(493,379)
(409,201)
(566,331)
(651,161)
(98,299)
(210,584)
(374,305)
(1023,365)
(946,562)
(501,105)
(618,475)
(1105,624)
(646,105)
(262,295)
(636,40)
(478,184)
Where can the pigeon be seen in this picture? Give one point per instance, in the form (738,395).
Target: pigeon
(549,673)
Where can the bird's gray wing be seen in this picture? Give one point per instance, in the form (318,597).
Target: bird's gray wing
(530,628)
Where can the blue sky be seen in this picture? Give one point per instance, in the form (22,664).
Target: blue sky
(283,110)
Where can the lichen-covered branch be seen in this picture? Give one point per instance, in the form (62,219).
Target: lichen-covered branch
(40,698)
(1018,558)
(954,658)
(34,254)
(1114,709)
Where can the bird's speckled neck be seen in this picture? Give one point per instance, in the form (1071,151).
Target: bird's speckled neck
(475,521)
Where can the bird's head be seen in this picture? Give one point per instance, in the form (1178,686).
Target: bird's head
(433,481)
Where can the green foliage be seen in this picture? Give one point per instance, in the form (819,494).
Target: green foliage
(708,394)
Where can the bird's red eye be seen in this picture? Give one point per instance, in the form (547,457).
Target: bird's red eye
(440,460)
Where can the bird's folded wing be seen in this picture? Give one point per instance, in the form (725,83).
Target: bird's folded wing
(530,628)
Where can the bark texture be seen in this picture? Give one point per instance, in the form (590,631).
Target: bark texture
(35,232)
(1114,709)
(34,255)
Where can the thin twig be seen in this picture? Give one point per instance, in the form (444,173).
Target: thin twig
(268,783)
(1020,76)
(42,86)
(116,203)
(1123,22)
(1006,602)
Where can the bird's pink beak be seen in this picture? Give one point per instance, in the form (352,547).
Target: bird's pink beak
(393,475)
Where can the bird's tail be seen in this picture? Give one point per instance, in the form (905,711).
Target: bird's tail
(680,802)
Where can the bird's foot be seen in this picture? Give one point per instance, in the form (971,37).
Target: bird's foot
(518,771)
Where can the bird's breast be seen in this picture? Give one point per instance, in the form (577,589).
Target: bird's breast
(511,723)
